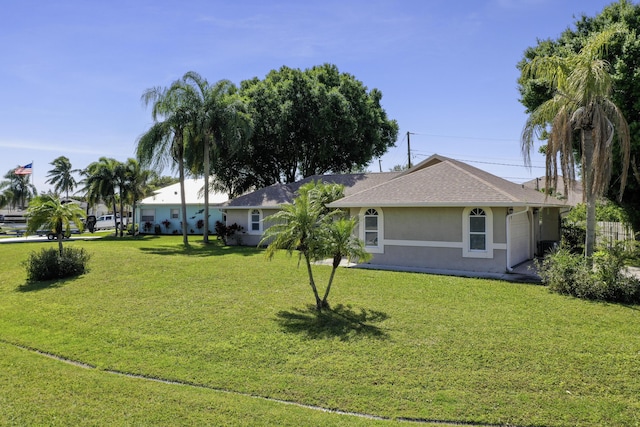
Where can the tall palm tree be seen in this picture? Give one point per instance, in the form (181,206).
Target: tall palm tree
(164,143)
(101,182)
(298,227)
(218,116)
(49,212)
(581,103)
(60,176)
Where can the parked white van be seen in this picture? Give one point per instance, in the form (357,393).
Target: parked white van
(105,222)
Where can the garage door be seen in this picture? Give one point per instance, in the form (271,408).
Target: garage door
(519,235)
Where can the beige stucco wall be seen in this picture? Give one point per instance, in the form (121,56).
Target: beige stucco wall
(433,224)
(439,258)
(433,238)
(241,217)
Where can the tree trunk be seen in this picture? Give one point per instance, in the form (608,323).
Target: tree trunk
(183,201)
(313,284)
(133,218)
(336,264)
(205,231)
(121,217)
(115,211)
(590,196)
(59,236)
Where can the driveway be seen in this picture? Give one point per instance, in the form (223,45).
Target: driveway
(27,239)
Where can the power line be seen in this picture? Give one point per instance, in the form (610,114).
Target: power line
(489,163)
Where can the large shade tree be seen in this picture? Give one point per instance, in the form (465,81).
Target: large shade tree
(582,105)
(312,122)
(61,176)
(50,213)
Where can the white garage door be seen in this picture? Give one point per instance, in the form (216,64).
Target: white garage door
(519,235)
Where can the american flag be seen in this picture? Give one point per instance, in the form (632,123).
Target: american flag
(24,170)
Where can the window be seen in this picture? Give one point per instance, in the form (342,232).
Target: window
(477,230)
(148,215)
(175,213)
(255,223)
(371,227)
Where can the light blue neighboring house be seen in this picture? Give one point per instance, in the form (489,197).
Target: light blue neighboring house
(161,213)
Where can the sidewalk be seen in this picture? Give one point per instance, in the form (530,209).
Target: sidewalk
(523,273)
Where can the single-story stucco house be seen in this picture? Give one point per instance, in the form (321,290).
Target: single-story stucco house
(441,214)
(161,213)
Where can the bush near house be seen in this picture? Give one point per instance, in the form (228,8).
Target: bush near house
(605,278)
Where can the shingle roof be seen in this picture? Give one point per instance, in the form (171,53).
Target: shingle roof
(440,181)
(278,194)
(170,195)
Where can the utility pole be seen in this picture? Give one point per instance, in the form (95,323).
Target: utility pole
(409,148)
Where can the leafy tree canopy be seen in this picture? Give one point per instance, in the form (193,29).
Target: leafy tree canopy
(311,122)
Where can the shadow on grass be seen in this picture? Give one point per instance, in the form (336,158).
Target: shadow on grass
(43,284)
(214,248)
(341,321)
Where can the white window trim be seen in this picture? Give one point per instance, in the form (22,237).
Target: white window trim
(250,229)
(372,249)
(466,243)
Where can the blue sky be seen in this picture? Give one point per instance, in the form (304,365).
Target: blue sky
(73,71)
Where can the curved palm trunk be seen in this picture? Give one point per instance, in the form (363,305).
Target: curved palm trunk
(590,196)
(312,283)
(336,264)
(205,232)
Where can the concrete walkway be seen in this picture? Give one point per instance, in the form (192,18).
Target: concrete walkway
(523,273)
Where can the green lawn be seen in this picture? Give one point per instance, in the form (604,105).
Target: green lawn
(396,345)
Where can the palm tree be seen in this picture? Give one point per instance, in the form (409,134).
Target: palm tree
(581,103)
(298,227)
(101,182)
(337,242)
(164,143)
(18,189)
(218,116)
(135,186)
(49,212)
(60,176)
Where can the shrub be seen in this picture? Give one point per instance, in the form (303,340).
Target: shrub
(574,235)
(224,233)
(49,265)
(568,273)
